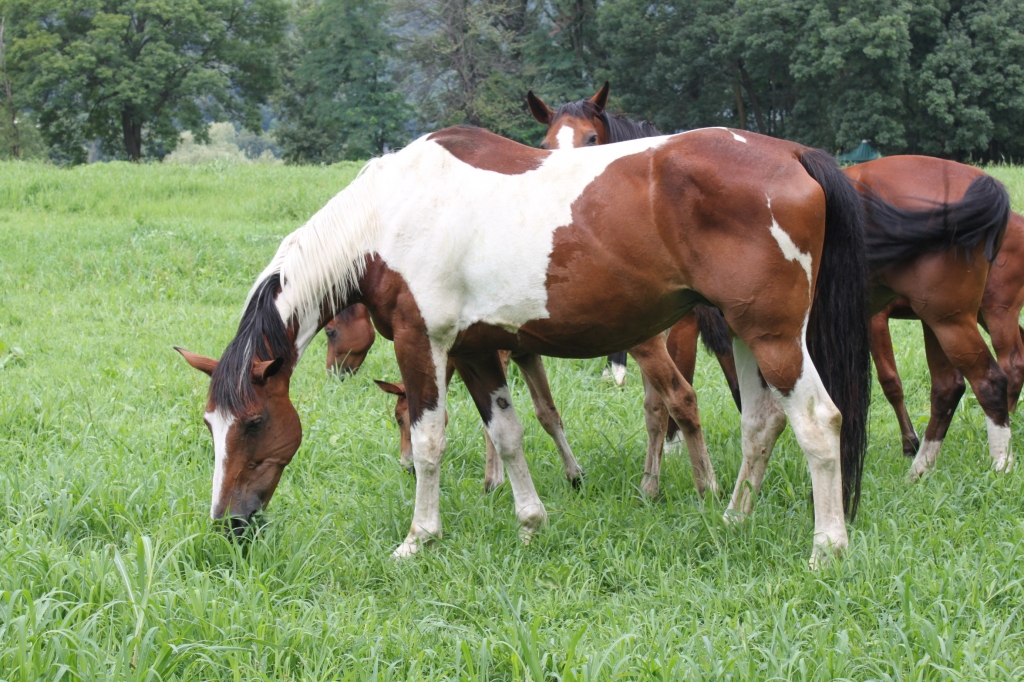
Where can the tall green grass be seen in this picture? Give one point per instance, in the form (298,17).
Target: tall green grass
(110,569)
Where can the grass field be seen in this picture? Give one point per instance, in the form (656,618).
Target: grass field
(110,569)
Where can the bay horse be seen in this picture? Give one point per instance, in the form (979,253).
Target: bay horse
(949,286)
(465,243)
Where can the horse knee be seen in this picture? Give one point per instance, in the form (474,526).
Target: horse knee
(428,442)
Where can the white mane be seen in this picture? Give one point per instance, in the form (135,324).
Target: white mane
(324,258)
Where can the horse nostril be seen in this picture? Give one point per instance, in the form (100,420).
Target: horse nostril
(239,525)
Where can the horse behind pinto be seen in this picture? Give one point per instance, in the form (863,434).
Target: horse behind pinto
(465,243)
(586,123)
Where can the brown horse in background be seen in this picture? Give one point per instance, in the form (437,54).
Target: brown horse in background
(350,336)
(950,287)
(586,123)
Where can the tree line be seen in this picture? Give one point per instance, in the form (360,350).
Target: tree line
(345,79)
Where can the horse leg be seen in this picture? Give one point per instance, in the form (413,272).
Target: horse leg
(786,367)
(659,428)
(655,362)
(424,369)
(532,367)
(889,378)
(761,423)
(485,379)
(616,368)
(1004,328)
(682,346)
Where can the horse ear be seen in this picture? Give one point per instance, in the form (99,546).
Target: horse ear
(600,100)
(265,369)
(542,112)
(388,387)
(202,363)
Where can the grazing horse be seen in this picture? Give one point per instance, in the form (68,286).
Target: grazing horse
(945,285)
(350,336)
(465,243)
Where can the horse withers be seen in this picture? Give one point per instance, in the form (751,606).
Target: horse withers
(465,243)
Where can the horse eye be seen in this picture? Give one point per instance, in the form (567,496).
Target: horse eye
(591,140)
(331,333)
(253,424)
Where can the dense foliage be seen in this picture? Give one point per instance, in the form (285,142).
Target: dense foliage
(938,77)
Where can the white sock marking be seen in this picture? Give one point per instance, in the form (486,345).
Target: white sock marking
(999,446)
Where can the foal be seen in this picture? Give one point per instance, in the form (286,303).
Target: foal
(350,336)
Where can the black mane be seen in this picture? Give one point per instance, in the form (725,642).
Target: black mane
(619,128)
(261,335)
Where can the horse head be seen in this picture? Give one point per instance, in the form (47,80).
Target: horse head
(574,124)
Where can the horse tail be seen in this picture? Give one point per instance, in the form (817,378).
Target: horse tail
(714,332)
(838,328)
(894,234)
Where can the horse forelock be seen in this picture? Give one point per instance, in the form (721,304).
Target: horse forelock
(261,336)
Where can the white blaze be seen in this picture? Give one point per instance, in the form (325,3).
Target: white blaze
(565,136)
(219,427)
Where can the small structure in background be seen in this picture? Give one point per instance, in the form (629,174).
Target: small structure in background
(863,152)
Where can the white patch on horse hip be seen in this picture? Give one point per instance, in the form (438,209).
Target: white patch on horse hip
(219,427)
(789,249)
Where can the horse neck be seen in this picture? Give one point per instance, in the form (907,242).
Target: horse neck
(322,263)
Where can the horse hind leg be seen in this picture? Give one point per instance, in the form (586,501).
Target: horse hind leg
(889,379)
(960,342)
(485,378)
(532,367)
(761,424)
(679,397)
(786,366)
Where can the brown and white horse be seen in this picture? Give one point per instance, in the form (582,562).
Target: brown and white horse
(930,237)
(465,243)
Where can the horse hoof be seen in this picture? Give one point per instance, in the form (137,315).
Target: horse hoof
(576,481)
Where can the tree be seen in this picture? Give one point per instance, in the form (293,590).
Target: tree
(339,100)
(134,73)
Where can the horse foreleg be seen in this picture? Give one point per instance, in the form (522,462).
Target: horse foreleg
(532,367)
(889,378)
(761,423)
(1004,328)
(654,360)
(423,369)
(485,380)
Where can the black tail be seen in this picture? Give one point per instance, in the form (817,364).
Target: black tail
(894,234)
(617,359)
(837,332)
(714,332)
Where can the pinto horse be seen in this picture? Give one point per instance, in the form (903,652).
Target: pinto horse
(946,283)
(465,243)
(914,244)
(586,123)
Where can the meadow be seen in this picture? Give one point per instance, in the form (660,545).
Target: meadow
(111,569)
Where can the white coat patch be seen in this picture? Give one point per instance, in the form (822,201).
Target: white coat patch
(219,427)
(789,249)
(735,136)
(480,253)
